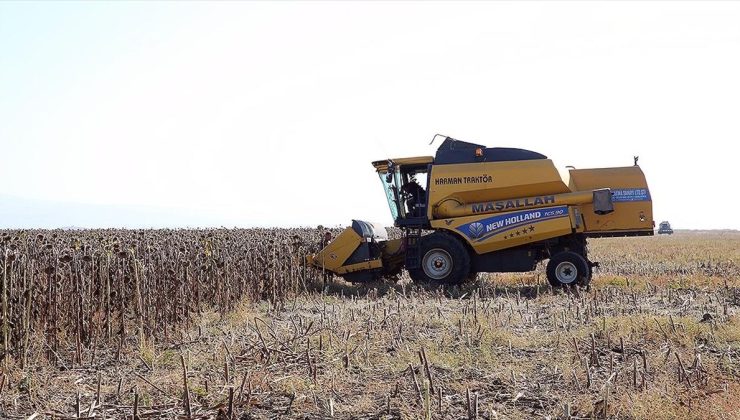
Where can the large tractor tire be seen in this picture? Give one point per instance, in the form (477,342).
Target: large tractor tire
(568,268)
(444,259)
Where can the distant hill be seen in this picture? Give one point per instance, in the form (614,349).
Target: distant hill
(702,231)
(17,212)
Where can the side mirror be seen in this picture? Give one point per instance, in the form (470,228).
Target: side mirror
(389,177)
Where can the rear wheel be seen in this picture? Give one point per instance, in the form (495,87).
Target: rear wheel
(443,259)
(568,268)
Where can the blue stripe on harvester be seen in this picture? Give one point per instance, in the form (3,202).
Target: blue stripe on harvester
(485,228)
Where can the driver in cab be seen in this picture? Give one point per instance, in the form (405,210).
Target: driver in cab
(415,197)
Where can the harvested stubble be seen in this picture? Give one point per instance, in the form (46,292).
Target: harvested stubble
(636,346)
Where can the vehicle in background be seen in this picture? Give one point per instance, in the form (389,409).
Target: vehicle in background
(665,228)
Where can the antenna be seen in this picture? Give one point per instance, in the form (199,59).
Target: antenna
(435,138)
(636,159)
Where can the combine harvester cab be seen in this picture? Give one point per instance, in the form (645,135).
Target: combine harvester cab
(472,209)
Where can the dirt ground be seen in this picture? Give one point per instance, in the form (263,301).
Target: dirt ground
(657,336)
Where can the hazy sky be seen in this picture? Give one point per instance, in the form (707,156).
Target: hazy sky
(270,113)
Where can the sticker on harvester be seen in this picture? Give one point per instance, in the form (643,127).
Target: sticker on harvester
(630,194)
(485,228)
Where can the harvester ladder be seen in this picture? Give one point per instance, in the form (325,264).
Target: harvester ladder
(413,248)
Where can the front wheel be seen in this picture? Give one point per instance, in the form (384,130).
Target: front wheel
(443,259)
(568,269)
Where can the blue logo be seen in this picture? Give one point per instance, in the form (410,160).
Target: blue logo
(476,230)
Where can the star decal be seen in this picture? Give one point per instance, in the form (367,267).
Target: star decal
(524,231)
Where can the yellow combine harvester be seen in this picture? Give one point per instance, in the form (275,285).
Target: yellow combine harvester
(490,210)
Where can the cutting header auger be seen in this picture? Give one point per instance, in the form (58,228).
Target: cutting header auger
(472,209)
